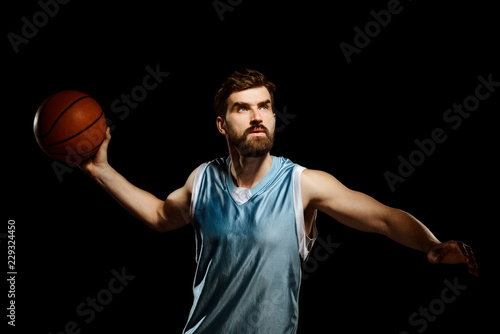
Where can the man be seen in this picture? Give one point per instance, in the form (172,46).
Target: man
(254,218)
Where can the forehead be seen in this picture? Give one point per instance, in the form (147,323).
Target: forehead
(249,96)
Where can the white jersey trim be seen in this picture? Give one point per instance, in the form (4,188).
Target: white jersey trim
(196,188)
(305,242)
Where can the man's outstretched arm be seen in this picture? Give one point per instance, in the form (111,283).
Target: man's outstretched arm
(159,215)
(321,191)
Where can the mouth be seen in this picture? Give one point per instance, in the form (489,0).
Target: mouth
(258,132)
(258,129)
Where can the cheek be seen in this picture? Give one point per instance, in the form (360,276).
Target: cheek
(235,127)
(272,122)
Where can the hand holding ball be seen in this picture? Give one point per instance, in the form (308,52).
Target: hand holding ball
(70,126)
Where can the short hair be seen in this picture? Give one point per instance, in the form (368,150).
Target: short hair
(238,81)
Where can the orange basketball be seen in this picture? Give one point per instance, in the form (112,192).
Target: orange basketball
(70,126)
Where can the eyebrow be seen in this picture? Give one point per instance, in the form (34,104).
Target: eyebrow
(238,104)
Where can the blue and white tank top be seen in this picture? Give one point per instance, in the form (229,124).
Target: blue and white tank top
(249,245)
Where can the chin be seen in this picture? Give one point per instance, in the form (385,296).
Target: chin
(255,147)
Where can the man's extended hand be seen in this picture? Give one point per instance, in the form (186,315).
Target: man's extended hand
(99,160)
(453,252)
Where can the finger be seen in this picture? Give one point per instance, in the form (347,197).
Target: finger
(470,258)
(463,251)
(473,268)
(466,251)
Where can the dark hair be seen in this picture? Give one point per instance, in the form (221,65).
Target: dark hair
(238,81)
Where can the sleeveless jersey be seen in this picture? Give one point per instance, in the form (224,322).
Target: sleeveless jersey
(249,244)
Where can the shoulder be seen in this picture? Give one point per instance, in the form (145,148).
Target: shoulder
(316,185)
(190,181)
(312,178)
(219,165)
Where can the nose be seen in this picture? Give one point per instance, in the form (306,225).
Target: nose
(256,116)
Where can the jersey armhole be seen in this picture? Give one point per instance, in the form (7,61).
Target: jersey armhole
(305,242)
(196,189)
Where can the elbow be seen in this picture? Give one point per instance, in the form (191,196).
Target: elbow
(158,228)
(160,225)
(393,220)
(156,222)
(168,218)
(385,220)
(165,225)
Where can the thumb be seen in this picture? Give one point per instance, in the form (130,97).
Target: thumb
(107,138)
(99,158)
(102,153)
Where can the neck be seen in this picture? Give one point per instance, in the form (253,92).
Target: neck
(247,172)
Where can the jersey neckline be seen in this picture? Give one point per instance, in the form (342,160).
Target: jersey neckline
(241,195)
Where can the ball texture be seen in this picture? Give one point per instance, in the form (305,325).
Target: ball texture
(70,126)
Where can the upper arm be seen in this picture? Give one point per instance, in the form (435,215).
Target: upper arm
(321,191)
(174,211)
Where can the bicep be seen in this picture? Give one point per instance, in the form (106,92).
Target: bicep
(352,208)
(174,211)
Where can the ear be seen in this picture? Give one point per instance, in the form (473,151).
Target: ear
(221,125)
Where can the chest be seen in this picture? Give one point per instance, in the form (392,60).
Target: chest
(266,216)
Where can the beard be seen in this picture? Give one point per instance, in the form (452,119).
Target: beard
(250,146)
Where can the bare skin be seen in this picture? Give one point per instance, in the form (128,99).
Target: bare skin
(251,110)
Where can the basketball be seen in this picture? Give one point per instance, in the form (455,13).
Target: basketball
(70,126)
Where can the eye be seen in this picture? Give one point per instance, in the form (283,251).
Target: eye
(264,107)
(242,109)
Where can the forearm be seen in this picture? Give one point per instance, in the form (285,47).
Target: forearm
(142,204)
(405,229)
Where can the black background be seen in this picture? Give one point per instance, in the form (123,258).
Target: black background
(352,120)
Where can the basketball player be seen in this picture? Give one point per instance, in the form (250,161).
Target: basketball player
(254,218)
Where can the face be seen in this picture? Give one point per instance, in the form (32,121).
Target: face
(250,122)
